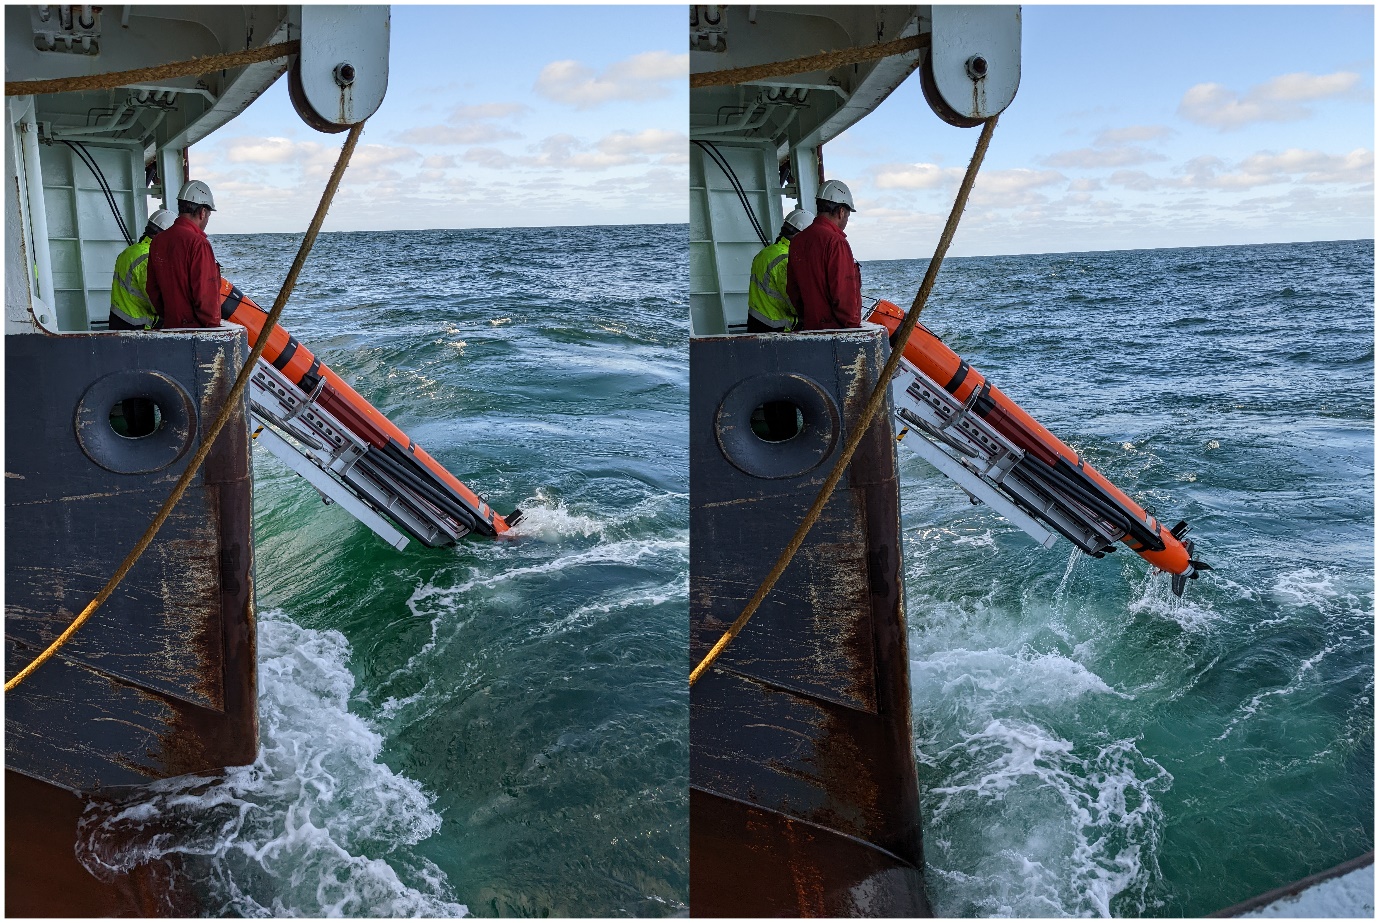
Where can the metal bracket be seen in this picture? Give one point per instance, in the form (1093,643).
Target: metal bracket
(329,487)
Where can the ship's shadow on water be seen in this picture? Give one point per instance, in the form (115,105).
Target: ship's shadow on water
(498,728)
(1090,745)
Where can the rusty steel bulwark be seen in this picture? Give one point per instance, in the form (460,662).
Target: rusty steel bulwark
(162,680)
(803,794)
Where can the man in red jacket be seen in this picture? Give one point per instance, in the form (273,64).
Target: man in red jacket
(183,278)
(823,281)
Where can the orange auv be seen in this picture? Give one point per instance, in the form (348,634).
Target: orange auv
(927,353)
(289,356)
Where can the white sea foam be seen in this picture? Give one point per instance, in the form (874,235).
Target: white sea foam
(1155,597)
(1037,825)
(449,607)
(986,680)
(1306,670)
(317,826)
(629,551)
(636,597)
(1306,587)
(551,519)
(984,539)
(1047,832)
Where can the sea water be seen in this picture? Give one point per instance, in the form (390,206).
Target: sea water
(500,727)
(1089,744)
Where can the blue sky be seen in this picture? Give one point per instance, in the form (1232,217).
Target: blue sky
(1138,127)
(1133,127)
(495,117)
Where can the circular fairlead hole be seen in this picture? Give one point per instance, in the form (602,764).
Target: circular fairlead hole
(776,425)
(777,421)
(136,418)
(135,421)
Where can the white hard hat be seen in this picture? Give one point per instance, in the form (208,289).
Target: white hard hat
(836,192)
(799,219)
(162,219)
(197,193)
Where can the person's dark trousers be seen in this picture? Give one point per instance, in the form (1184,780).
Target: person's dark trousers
(138,412)
(756,326)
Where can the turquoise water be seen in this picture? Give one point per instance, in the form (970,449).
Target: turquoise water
(498,727)
(1088,743)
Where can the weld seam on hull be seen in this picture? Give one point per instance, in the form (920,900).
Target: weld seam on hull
(808,823)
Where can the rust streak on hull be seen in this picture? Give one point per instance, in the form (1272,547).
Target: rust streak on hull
(804,799)
(162,681)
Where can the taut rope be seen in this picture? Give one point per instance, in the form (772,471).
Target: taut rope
(190,68)
(824,61)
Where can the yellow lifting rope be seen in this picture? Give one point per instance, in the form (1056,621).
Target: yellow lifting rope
(878,397)
(825,61)
(191,68)
(208,440)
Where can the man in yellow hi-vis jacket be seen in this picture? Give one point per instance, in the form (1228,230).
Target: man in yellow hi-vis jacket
(768,308)
(130,308)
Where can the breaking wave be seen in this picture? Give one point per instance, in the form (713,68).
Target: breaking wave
(312,828)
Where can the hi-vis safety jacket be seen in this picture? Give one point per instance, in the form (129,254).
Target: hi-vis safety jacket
(129,290)
(766,299)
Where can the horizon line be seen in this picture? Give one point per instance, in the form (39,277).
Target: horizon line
(648,224)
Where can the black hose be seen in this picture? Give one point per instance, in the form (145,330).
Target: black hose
(379,461)
(727,169)
(90,161)
(86,158)
(394,452)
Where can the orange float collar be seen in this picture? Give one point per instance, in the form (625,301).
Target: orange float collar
(409,460)
(1144,535)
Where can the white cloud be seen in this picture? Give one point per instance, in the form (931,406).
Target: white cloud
(269,150)
(566,152)
(373,155)
(993,188)
(472,133)
(646,141)
(915,176)
(1315,167)
(1304,87)
(438,162)
(642,76)
(488,111)
(1264,168)
(1132,133)
(488,157)
(469,124)
(894,216)
(1008,188)
(1090,158)
(370,166)
(652,65)
(1276,100)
